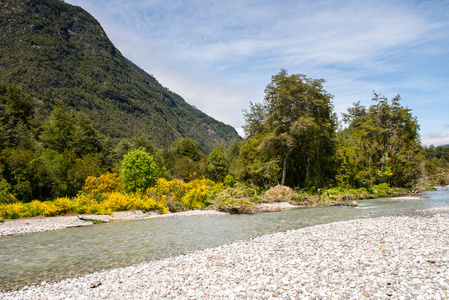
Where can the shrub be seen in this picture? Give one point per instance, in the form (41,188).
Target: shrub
(138,172)
(35,208)
(105,183)
(280,193)
(168,192)
(236,206)
(238,200)
(229,181)
(87,204)
(12,211)
(5,192)
(196,196)
(116,201)
(63,205)
(179,196)
(49,209)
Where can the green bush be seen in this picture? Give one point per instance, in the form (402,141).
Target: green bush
(5,192)
(229,181)
(238,200)
(139,171)
(236,206)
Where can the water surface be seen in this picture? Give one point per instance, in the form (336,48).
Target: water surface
(50,256)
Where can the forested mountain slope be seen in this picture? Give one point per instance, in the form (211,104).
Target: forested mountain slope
(60,55)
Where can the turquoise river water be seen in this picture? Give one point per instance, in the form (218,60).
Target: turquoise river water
(51,256)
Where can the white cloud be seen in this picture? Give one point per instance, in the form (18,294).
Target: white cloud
(219,55)
(435,138)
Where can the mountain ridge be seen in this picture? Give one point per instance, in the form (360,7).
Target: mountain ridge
(60,54)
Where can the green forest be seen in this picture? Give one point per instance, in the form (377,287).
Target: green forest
(59,54)
(59,163)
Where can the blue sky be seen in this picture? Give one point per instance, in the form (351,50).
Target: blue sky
(220,55)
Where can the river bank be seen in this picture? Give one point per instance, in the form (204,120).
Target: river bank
(42,224)
(389,257)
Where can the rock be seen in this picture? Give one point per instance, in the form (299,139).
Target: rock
(95,284)
(94,218)
(354,204)
(389,293)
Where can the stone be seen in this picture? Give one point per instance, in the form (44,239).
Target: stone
(95,218)
(95,284)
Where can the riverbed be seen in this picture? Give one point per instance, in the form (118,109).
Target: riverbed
(53,256)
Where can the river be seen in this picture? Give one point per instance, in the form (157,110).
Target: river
(52,256)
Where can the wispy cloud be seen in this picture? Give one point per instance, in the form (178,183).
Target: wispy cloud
(219,55)
(435,138)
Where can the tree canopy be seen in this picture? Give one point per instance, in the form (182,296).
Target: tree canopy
(138,172)
(381,144)
(296,123)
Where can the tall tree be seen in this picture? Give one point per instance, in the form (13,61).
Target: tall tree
(16,115)
(380,145)
(296,114)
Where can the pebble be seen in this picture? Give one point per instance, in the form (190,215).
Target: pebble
(341,260)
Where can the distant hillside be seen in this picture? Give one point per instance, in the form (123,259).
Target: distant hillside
(59,53)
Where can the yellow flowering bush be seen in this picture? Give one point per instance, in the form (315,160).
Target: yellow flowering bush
(103,184)
(63,205)
(104,195)
(38,208)
(197,193)
(133,201)
(87,204)
(12,211)
(163,187)
(35,208)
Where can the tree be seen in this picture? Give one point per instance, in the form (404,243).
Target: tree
(16,116)
(296,114)
(256,164)
(184,159)
(354,113)
(380,145)
(187,148)
(58,131)
(138,172)
(217,165)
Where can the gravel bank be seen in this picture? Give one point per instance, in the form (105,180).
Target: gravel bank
(41,224)
(384,258)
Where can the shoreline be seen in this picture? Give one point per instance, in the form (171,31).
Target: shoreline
(43,224)
(12,227)
(381,258)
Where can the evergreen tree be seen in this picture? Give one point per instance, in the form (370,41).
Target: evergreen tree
(296,121)
(380,145)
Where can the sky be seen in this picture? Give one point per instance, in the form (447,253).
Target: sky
(220,55)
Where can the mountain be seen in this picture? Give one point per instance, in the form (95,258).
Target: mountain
(60,55)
